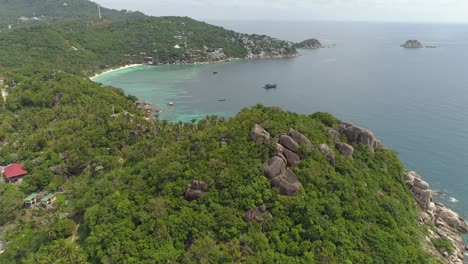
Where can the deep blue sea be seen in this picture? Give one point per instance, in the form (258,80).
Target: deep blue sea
(415,101)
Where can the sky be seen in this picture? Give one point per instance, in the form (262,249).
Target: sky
(360,10)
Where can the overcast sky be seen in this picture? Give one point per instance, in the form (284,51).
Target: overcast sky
(374,10)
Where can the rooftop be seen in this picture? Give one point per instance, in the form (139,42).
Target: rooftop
(47,197)
(30,197)
(14,170)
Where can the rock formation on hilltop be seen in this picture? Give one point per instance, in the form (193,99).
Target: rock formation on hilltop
(412,44)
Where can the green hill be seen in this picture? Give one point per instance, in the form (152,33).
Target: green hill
(122,182)
(87,46)
(17,11)
(134,190)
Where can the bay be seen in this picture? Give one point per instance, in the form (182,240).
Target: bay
(415,101)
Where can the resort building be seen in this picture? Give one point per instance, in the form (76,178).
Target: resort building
(30,200)
(48,200)
(14,173)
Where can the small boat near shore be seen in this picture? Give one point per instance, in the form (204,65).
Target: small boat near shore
(170,104)
(270,86)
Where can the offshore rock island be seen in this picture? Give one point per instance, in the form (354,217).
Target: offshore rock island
(309,44)
(88,177)
(412,44)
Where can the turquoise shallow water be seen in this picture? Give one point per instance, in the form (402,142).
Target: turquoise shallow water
(416,101)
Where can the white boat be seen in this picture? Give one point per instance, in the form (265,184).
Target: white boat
(170,103)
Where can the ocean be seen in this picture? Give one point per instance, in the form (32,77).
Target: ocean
(415,101)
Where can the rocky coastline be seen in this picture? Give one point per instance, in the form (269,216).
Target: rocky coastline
(442,221)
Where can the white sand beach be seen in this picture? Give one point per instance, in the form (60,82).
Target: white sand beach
(114,69)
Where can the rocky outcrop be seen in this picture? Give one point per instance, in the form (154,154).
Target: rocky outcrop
(289,143)
(57,99)
(58,170)
(412,44)
(300,138)
(309,44)
(195,190)
(147,108)
(448,223)
(259,134)
(292,158)
(274,167)
(359,135)
(260,214)
(325,149)
(345,149)
(334,134)
(287,183)
(277,168)
(281,176)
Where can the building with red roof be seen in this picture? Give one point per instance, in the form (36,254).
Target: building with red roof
(14,173)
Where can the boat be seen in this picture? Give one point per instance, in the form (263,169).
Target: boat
(269,86)
(222,100)
(170,103)
(215,72)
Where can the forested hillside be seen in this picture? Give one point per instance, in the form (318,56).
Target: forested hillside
(77,41)
(106,184)
(121,182)
(20,12)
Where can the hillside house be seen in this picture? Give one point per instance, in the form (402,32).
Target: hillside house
(30,200)
(48,200)
(2,80)
(14,173)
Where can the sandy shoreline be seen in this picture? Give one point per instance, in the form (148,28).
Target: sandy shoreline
(113,70)
(192,63)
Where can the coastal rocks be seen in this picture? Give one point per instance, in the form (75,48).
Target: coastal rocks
(345,149)
(146,107)
(287,183)
(259,134)
(359,135)
(448,223)
(309,44)
(420,189)
(289,143)
(412,44)
(195,190)
(325,149)
(300,138)
(451,218)
(259,214)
